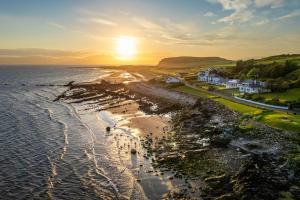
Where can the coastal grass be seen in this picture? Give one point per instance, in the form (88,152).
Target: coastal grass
(186,89)
(280,120)
(243,109)
(289,95)
(276,119)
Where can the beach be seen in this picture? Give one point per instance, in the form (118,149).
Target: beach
(133,118)
(175,145)
(117,134)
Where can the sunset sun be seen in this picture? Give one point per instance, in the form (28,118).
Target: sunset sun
(126,47)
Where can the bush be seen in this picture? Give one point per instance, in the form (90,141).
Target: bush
(275,99)
(258,98)
(211,88)
(276,103)
(174,85)
(248,96)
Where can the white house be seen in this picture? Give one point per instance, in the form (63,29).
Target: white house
(232,83)
(172,79)
(203,75)
(215,80)
(253,87)
(210,77)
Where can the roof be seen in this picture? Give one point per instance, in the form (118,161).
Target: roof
(254,86)
(173,77)
(233,81)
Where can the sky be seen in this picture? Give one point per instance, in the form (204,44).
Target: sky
(86,31)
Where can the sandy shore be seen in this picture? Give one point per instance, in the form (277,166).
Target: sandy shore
(138,115)
(155,126)
(201,149)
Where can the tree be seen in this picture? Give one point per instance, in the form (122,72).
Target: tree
(253,73)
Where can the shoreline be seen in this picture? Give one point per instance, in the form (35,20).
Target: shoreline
(197,129)
(127,132)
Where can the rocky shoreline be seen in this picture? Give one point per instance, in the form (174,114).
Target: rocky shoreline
(232,162)
(205,146)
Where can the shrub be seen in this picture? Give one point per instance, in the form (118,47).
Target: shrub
(258,98)
(211,88)
(275,99)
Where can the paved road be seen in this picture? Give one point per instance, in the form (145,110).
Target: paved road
(231,98)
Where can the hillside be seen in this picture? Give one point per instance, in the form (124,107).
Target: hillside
(282,72)
(186,61)
(280,59)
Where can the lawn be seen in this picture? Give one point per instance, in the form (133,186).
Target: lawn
(276,119)
(204,85)
(280,120)
(194,92)
(230,91)
(289,95)
(243,109)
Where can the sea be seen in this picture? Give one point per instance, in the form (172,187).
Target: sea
(55,150)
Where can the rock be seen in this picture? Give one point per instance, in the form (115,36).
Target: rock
(108,129)
(226,197)
(217,180)
(295,190)
(220,141)
(133,151)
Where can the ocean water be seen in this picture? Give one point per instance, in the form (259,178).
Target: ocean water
(53,150)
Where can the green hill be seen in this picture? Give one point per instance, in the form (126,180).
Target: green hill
(282,72)
(280,59)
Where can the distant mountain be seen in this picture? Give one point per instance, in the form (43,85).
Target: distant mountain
(187,61)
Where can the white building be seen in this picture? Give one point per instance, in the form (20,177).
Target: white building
(215,80)
(233,83)
(253,87)
(210,77)
(172,79)
(203,75)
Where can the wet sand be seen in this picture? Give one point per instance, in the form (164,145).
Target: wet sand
(155,126)
(201,151)
(133,119)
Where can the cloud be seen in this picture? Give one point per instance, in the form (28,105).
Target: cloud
(233,4)
(164,29)
(262,22)
(240,16)
(147,24)
(56,25)
(39,56)
(102,21)
(292,14)
(243,9)
(94,17)
(240,10)
(41,52)
(209,14)
(272,3)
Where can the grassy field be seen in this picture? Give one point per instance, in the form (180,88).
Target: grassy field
(276,119)
(280,59)
(289,95)
(206,86)
(243,109)
(280,120)
(194,92)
